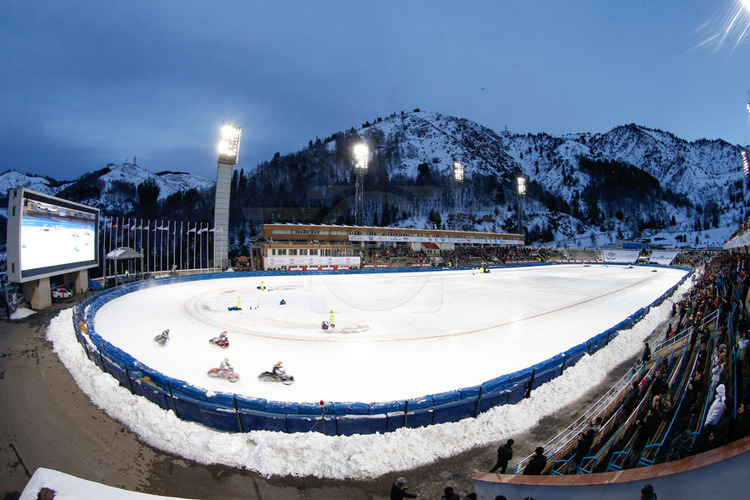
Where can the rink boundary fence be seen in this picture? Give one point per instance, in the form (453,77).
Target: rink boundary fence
(236,413)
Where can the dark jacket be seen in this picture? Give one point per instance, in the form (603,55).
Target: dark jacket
(504,454)
(659,386)
(398,493)
(646,430)
(585,440)
(536,465)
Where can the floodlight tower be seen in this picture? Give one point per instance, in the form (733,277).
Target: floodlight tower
(229,150)
(361,156)
(521,195)
(458,184)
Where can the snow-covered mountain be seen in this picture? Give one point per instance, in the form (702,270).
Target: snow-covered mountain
(113,189)
(13,180)
(583,189)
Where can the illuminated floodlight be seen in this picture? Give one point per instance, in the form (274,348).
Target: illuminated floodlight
(361,154)
(229,143)
(746,164)
(458,172)
(522,186)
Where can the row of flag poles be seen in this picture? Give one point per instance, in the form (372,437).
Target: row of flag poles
(165,245)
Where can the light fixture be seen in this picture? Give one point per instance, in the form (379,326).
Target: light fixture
(361,154)
(458,172)
(522,186)
(229,144)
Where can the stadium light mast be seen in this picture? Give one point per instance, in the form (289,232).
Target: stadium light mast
(458,183)
(228,152)
(521,195)
(361,157)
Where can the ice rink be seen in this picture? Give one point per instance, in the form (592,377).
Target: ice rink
(397,335)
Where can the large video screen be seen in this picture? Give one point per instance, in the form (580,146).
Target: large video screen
(49,236)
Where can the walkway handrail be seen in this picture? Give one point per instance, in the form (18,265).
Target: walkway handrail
(571,432)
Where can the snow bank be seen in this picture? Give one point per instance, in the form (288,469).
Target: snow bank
(340,457)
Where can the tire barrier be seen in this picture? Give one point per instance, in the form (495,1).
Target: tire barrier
(237,413)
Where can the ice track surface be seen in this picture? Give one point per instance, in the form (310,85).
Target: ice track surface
(397,335)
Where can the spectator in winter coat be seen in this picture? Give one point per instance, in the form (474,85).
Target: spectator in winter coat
(536,464)
(717,371)
(398,490)
(682,444)
(585,440)
(646,428)
(647,493)
(659,385)
(717,408)
(504,454)
(741,424)
(449,494)
(646,354)
(691,393)
(629,400)
(596,425)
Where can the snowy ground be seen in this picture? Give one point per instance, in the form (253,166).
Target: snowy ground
(395,333)
(588,295)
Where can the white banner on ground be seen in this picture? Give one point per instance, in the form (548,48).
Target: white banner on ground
(663,257)
(621,256)
(306,261)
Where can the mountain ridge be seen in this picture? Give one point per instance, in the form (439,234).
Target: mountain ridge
(572,179)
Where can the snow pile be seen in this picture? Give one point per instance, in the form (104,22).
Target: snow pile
(339,457)
(21,313)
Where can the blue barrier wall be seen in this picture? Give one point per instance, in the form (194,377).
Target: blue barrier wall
(236,413)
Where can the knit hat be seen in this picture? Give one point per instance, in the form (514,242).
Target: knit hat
(400,481)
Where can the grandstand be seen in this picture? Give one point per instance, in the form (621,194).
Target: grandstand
(658,421)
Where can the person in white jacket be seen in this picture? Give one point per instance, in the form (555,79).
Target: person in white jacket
(716,411)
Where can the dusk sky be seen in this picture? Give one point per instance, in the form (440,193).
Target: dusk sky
(83,84)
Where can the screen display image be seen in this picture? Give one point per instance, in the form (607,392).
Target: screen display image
(52,235)
(48,236)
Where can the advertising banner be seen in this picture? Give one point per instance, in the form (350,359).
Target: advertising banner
(620,256)
(663,257)
(307,261)
(433,239)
